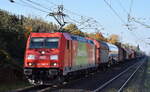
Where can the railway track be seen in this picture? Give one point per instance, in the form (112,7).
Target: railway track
(74,85)
(123,78)
(90,83)
(33,89)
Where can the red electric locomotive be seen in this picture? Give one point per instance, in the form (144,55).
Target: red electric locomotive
(50,57)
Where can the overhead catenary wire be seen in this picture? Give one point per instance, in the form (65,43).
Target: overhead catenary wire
(139,22)
(73,20)
(37,4)
(84,19)
(137,37)
(119,17)
(50,2)
(31,6)
(83,24)
(133,19)
(136,21)
(67,10)
(121,5)
(129,14)
(130,8)
(87,25)
(87,22)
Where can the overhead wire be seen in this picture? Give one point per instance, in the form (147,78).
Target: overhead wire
(73,20)
(133,19)
(51,2)
(139,22)
(31,6)
(120,18)
(114,11)
(88,18)
(124,10)
(37,4)
(129,13)
(130,8)
(85,20)
(121,5)
(79,15)
(64,8)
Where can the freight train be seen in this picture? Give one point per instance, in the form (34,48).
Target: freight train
(52,57)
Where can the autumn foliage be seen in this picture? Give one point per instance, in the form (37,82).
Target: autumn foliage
(113,39)
(98,36)
(73,29)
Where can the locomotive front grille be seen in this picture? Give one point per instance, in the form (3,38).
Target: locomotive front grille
(41,72)
(27,71)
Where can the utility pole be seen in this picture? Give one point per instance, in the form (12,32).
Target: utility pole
(59,16)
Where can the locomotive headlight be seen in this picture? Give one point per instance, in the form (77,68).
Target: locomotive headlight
(55,64)
(30,64)
(31,57)
(43,52)
(54,57)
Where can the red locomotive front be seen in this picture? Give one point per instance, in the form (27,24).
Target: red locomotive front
(43,57)
(43,51)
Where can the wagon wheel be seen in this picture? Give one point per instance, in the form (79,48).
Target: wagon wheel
(109,64)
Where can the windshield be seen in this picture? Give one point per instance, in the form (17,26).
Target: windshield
(44,42)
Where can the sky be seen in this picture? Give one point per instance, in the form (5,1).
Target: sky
(113,19)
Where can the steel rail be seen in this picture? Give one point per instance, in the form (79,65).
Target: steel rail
(121,88)
(45,89)
(32,88)
(23,89)
(108,82)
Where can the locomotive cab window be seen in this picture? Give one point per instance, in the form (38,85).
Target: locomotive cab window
(43,42)
(36,42)
(51,43)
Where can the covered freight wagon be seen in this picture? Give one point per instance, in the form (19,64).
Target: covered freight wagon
(113,53)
